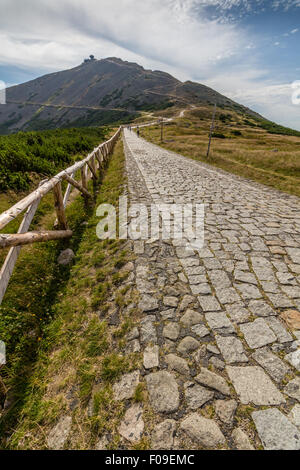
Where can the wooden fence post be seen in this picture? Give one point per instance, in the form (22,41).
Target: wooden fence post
(12,257)
(59,206)
(212,127)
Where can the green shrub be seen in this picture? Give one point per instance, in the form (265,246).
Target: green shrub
(27,154)
(219,135)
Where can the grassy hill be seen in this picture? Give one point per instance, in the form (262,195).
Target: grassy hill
(247,146)
(100,92)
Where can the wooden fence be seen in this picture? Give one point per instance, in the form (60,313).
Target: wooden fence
(89,168)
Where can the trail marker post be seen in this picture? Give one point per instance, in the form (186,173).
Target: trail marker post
(212,128)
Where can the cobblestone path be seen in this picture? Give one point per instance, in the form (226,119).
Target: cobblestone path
(220,333)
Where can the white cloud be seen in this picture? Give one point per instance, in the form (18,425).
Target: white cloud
(173,35)
(273,101)
(53,34)
(294,31)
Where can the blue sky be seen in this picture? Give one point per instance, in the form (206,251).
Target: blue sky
(246,49)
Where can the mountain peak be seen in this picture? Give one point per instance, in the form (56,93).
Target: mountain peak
(100,92)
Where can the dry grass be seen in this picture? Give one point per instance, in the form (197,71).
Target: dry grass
(267,158)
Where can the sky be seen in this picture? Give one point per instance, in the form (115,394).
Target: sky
(246,49)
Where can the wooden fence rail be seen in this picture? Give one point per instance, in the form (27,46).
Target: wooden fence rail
(90,167)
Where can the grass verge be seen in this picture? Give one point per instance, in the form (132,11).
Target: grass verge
(80,349)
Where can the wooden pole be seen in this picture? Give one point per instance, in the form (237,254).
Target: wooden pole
(68,192)
(212,127)
(99,158)
(77,185)
(20,239)
(59,206)
(94,174)
(84,178)
(13,254)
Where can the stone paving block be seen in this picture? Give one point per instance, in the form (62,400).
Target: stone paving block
(190,262)
(148,303)
(200,330)
(170,301)
(187,345)
(148,331)
(178,364)
(253,386)
(270,287)
(58,435)
(292,389)
(209,303)
(217,363)
(168,314)
(191,317)
(163,392)
(213,349)
(197,279)
(260,308)
(203,289)
(294,254)
(212,380)
(232,349)
(246,277)
(186,301)
(280,300)
(162,437)
(241,440)
(171,331)
(212,263)
(125,388)
(151,357)
(225,409)
(204,431)
(248,291)
(238,313)
(132,426)
(257,333)
(291,291)
(272,364)
(294,415)
(219,322)
(219,279)
(276,431)
(227,296)
(264,274)
(139,247)
(286,278)
(282,335)
(294,359)
(196,396)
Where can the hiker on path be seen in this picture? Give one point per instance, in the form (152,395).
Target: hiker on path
(138,131)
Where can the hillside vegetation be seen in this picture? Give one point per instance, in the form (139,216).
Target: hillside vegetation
(31,156)
(253,148)
(100,92)
(38,280)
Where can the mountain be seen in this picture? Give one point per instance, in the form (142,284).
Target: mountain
(100,92)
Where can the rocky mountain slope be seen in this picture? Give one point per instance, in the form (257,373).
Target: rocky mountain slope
(99,92)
